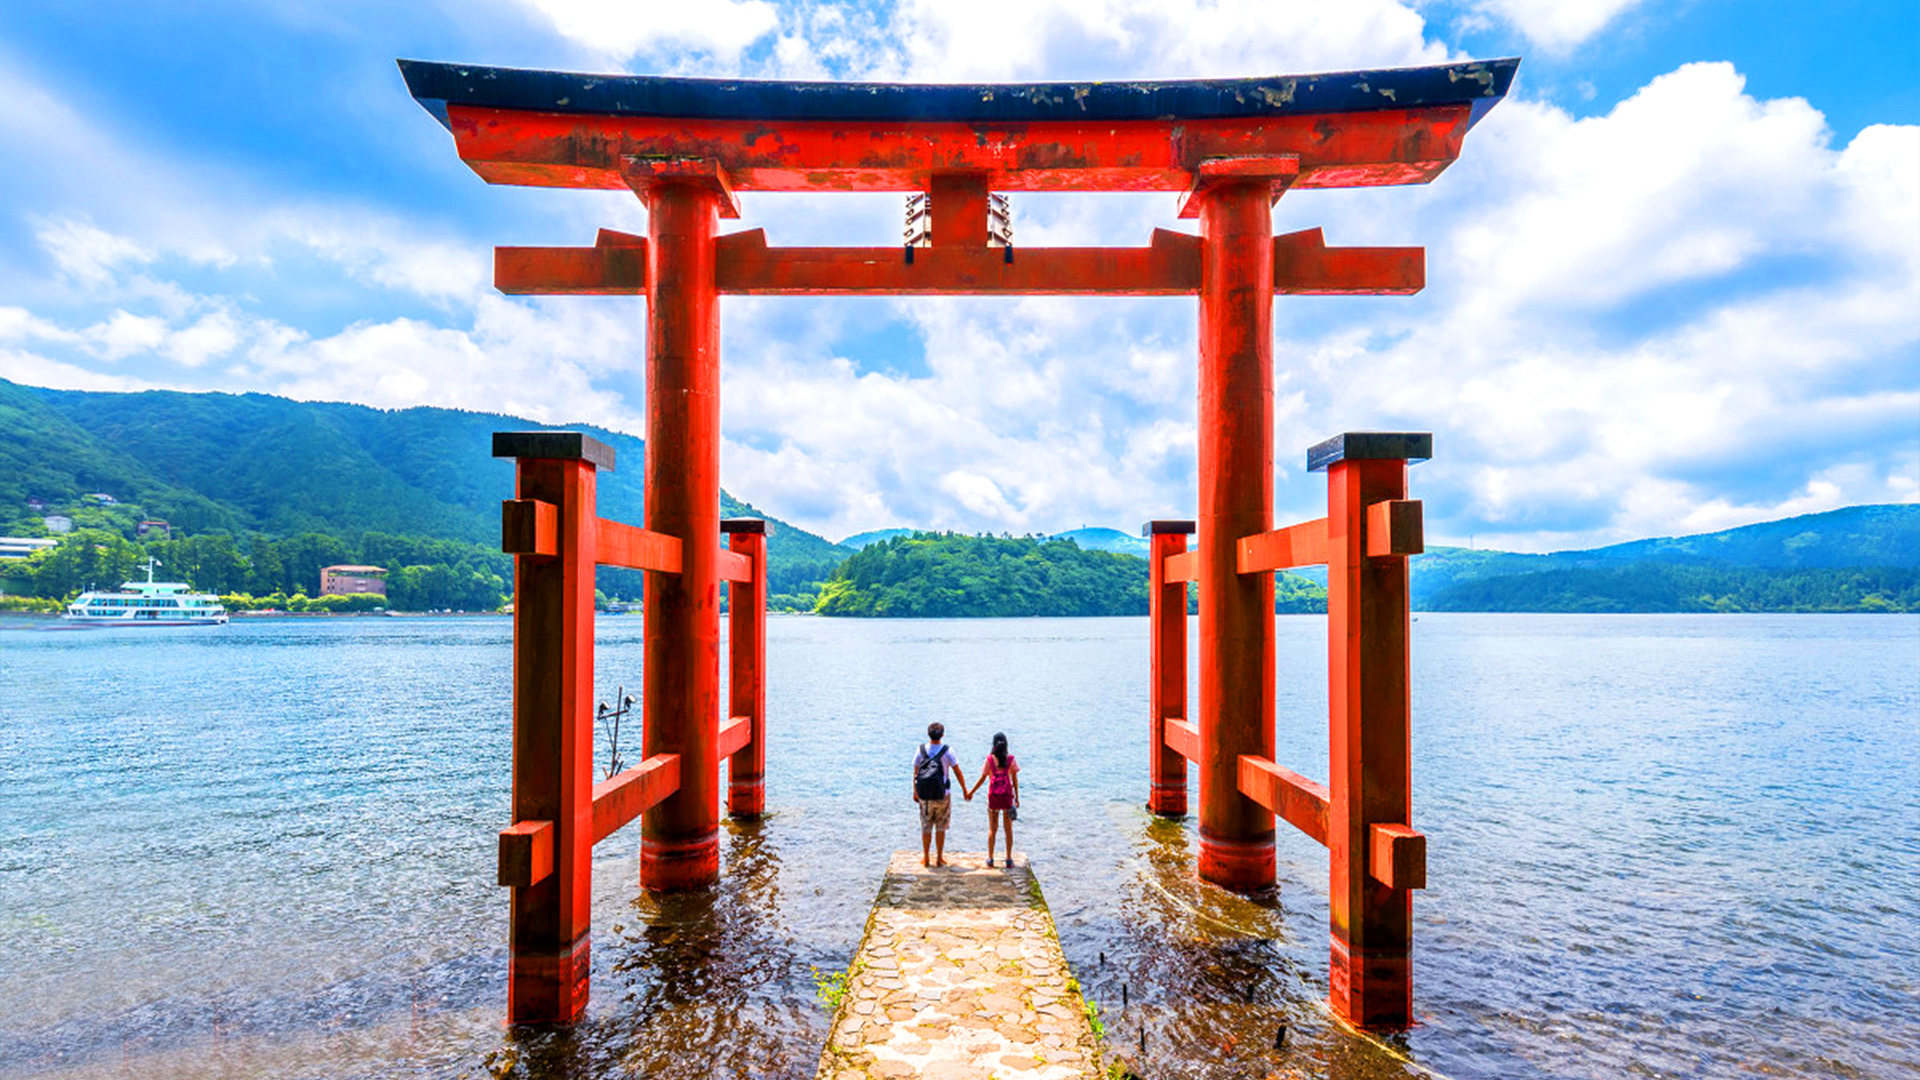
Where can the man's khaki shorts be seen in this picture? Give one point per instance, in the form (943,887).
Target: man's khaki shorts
(935,813)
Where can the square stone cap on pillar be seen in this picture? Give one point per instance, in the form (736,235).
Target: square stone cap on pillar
(1167,526)
(1371,446)
(555,445)
(743,525)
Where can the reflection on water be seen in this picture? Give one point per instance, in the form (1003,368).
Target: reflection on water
(692,985)
(1663,845)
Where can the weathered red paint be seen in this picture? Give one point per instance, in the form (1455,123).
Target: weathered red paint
(1182,738)
(549,937)
(746,670)
(679,844)
(733,567)
(1168,266)
(1353,149)
(1236,500)
(1167,675)
(1395,527)
(619,799)
(1293,798)
(526,853)
(1371,768)
(529,527)
(1397,857)
(637,549)
(1283,549)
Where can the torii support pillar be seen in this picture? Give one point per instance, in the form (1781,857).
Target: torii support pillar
(547,855)
(1376,858)
(1236,500)
(1167,684)
(679,838)
(746,669)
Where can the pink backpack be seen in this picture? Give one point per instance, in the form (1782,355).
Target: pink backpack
(1000,781)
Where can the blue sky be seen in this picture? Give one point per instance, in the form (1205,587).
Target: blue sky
(1674,280)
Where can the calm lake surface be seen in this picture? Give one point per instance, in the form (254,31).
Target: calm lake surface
(1660,846)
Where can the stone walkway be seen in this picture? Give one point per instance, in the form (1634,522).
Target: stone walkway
(960,977)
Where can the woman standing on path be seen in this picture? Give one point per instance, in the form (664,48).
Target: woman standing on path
(1001,774)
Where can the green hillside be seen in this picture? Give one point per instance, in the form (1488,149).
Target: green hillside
(1765,567)
(258,465)
(949,575)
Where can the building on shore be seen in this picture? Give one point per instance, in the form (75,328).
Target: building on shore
(153,525)
(19,547)
(353,580)
(57,523)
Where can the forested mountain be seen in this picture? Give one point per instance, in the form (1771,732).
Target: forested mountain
(946,575)
(262,491)
(1772,566)
(941,575)
(255,465)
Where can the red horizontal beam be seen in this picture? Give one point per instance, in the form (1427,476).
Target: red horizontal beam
(526,853)
(637,549)
(1283,549)
(1394,527)
(1295,799)
(1303,265)
(570,271)
(1353,149)
(735,566)
(1182,567)
(1397,856)
(1168,266)
(734,737)
(621,799)
(1182,738)
(529,527)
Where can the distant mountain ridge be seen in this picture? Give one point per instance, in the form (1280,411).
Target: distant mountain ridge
(1834,560)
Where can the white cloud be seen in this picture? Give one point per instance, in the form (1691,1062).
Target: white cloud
(621,29)
(1556,25)
(86,253)
(211,338)
(33,369)
(126,333)
(1690,311)
(19,324)
(940,41)
(388,253)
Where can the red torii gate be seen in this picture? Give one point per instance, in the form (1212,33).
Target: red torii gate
(686,147)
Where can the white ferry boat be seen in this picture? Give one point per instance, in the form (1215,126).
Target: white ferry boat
(148,603)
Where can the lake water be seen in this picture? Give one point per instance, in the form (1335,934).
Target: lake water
(1660,846)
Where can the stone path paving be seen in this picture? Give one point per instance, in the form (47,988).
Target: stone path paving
(960,977)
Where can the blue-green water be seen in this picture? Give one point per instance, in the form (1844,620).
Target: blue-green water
(1660,845)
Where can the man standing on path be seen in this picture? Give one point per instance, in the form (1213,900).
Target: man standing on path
(930,765)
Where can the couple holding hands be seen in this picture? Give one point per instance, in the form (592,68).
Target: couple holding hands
(1000,772)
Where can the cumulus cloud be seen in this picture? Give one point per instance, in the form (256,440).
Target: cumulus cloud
(621,29)
(1688,311)
(1556,25)
(87,254)
(936,41)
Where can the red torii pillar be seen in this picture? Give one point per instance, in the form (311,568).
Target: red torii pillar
(679,838)
(1236,500)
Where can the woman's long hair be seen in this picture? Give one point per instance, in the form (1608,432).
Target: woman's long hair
(1000,748)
